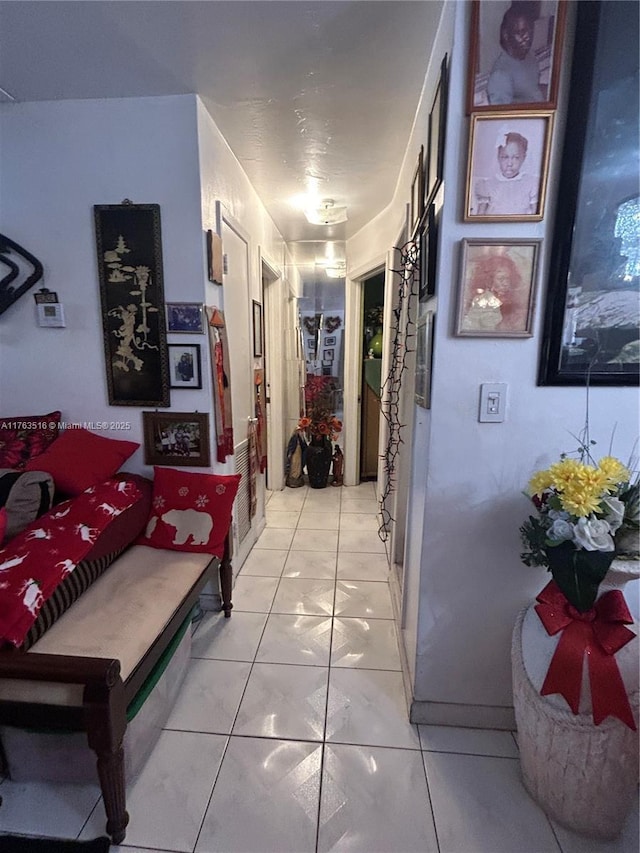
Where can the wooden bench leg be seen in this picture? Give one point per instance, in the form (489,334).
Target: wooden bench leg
(112,785)
(226,584)
(106,723)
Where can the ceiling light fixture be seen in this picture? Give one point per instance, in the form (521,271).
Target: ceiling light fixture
(337,269)
(326,213)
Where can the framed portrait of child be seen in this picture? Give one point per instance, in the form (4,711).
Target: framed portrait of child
(497,289)
(507,167)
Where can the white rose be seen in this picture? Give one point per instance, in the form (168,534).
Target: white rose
(558,514)
(560,530)
(593,534)
(614,512)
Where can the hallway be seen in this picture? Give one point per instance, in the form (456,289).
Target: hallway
(296,704)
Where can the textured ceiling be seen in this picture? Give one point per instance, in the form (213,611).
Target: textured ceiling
(316,95)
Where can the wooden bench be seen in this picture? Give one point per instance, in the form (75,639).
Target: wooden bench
(88,667)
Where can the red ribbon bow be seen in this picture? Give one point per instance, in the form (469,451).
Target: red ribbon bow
(600,632)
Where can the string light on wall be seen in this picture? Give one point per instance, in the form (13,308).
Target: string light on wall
(402,332)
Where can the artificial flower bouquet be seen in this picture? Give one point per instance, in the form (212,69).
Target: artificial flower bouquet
(584,511)
(319,424)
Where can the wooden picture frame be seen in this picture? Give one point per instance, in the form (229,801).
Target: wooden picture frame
(591,329)
(497,288)
(129,254)
(257,329)
(508,165)
(417,194)
(428,254)
(185,317)
(437,128)
(185,366)
(424,357)
(514,56)
(176,439)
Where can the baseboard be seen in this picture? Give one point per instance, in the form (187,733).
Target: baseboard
(466,716)
(396,606)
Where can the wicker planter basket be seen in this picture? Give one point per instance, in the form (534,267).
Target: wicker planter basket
(582,775)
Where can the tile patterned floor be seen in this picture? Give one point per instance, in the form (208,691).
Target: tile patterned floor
(291,732)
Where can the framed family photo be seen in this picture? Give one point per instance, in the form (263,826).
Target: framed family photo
(507,167)
(186,317)
(515,53)
(184,366)
(176,438)
(496,292)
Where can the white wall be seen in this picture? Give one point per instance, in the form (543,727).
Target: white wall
(465,582)
(58,159)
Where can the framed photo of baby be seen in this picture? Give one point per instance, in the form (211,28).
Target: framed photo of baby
(507,167)
(515,52)
(496,294)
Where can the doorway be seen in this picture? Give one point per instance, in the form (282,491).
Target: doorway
(373,313)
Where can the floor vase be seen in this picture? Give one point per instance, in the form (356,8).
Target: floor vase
(318,462)
(583,775)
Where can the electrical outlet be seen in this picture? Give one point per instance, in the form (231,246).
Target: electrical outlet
(493,402)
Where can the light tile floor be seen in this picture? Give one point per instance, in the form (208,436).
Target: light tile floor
(291,732)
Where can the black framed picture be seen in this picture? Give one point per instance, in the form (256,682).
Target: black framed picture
(176,438)
(428,254)
(185,369)
(437,127)
(257,329)
(185,317)
(129,249)
(591,326)
(417,193)
(424,355)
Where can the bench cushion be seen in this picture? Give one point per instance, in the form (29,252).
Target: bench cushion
(119,617)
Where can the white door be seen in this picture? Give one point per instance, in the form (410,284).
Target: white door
(237,312)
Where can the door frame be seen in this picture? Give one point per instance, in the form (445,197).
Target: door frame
(353,330)
(273,296)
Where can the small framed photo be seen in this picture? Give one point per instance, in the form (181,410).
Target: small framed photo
(327,355)
(417,193)
(497,288)
(184,366)
(514,55)
(507,167)
(437,127)
(187,317)
(214,257)
(176,438)
(428,250)
(424,354)
(330,341)
(257,329)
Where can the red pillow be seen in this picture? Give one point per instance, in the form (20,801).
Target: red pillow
(190,512)
(79,459)
(25,437)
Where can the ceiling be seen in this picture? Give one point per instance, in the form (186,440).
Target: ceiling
(311,96)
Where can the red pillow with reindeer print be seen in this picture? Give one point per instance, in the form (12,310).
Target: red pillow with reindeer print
(190,511)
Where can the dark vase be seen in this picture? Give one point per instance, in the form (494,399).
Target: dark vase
(318,462)
(578,573)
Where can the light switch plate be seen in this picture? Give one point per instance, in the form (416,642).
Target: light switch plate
(493,402)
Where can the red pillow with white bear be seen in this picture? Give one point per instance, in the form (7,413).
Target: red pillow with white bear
(190,511)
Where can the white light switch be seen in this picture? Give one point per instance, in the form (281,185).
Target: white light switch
(493,401)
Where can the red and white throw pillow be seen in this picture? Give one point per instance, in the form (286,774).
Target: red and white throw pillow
(25,437)
(190,511)
(35,561)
